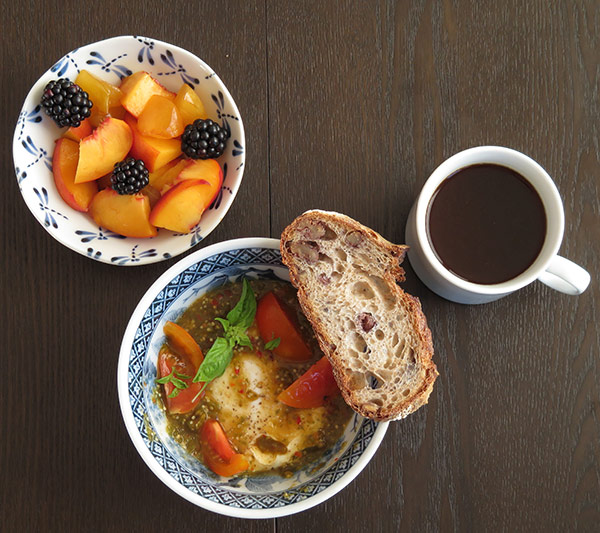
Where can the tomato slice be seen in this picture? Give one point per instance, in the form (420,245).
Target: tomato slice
(186,399)
(274,321)
(237,464)
(218,452)
(311,388)
(213,434)
(181,341)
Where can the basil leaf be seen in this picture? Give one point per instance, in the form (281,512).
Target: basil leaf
(177,383)
(243,340)
(243,313)
(271,345)
(234,333)
(224,323)
(238,320)
(182,376)
(216,361)
(200,392)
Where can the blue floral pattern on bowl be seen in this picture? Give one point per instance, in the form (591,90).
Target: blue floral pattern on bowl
(111,60)
(239,495)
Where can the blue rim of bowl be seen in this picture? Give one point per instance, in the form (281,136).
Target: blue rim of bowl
(152,306)
(47,217)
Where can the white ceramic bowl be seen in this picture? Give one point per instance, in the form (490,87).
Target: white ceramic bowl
(268,496)
(35,134)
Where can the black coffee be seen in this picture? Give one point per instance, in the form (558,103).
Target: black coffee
(486,223)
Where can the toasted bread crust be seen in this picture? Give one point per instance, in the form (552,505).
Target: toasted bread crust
(409,306)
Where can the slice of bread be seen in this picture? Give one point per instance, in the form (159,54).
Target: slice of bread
(374,334)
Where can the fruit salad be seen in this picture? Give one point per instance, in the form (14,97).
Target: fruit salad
(137,157)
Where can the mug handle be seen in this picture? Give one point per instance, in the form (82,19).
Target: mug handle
(565,276)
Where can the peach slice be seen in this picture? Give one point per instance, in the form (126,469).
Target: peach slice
(157,174)
(117,111)
(64,166)
(104,182)
(160,118)
(181,207)
(189,104)
(152,194)
(105,96)
(205,169)
(154,152)
(127,214)
(83,130)
(138,89)
(99,152)
(166,175)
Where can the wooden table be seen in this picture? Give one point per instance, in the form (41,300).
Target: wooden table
(347,106)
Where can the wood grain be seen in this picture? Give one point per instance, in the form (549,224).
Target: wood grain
(509,439)
(67,462)
(347,105)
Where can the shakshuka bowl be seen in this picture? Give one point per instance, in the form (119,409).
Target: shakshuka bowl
(35,136)
(266,495)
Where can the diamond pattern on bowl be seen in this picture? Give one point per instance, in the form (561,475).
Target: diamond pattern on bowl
(263,496)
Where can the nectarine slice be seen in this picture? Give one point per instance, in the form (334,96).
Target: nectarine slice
(165,176)
(127,214)
(99,152)
(189,104)
(152,194)
(117,111)
(83,130)
(154,152)
(205,169)
(160,118)
(104,96)
(104,182)
(153,176)
(64,166)
(181,207)
(138,89)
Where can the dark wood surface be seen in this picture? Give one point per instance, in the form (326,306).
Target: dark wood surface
(347,106)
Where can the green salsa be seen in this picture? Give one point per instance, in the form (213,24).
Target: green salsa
(271,435)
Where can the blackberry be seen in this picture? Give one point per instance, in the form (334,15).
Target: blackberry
(66,103)
(203,139)
(129,176)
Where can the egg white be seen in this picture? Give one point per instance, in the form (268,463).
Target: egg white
(249,419)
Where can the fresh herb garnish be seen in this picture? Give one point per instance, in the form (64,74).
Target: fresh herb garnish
(175,378)
(215,362)
(243,313)
(272,344)
(238,320)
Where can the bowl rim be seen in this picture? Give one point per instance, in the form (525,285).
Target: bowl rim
(136,438)
(82,250)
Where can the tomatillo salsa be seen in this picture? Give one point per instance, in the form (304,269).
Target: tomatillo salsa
(243,384)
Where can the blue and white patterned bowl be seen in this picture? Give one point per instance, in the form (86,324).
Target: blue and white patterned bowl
(35,134)
(267,496)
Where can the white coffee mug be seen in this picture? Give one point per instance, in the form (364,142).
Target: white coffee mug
(549,268)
